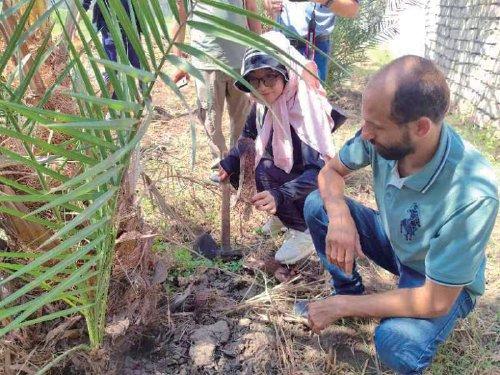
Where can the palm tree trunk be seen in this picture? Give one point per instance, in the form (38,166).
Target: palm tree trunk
(21,232)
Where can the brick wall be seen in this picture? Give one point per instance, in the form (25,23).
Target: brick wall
(463,38)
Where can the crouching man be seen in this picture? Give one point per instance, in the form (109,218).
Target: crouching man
(437,202)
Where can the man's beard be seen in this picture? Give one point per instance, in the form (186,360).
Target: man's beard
(394,152)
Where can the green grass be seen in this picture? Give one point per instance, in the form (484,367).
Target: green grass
(379,56)
(469,350)
(187,263)
(486,139)
(376,58)
(57,31)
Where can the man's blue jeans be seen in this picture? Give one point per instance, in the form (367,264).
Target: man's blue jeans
(406,345)
(321,61)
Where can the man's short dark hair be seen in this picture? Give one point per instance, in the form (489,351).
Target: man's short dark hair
(421,90)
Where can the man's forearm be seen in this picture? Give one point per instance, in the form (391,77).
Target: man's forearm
(403,302)
(343,8)
(331,188)
(178,32)
(253,24)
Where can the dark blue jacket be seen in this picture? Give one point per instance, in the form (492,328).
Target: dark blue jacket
(97,17)
(306,163)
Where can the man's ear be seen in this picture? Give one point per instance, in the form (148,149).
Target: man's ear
(423,126)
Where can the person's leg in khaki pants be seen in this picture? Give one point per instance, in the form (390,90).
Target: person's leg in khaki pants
(211,95)
(238,107)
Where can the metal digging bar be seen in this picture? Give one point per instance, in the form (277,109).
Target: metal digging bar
(205,244)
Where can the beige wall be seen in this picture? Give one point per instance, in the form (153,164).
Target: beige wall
(463,38)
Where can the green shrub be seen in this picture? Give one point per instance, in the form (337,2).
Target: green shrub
(351,39)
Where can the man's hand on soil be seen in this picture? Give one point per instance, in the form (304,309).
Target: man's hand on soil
(322,314)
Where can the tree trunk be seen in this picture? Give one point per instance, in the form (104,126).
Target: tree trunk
(23,233)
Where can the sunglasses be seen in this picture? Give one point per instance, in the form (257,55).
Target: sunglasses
(268,80)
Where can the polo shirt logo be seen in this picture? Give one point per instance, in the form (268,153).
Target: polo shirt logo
(409,226)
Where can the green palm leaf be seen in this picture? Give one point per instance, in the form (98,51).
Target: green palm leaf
(74,208)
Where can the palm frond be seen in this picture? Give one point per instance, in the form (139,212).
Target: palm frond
(74,140)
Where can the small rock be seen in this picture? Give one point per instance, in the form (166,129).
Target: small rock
(218,331)
(202,352)
(253,343)
(244,322)
(231,349)
(205,340)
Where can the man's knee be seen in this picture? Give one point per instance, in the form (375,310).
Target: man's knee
(400,347)
(313,207)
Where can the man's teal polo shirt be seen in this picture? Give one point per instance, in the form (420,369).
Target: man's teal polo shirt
(439,219)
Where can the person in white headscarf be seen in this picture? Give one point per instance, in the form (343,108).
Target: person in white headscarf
(291,124)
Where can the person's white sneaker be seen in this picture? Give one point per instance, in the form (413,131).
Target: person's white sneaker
(273,226)
(297,246)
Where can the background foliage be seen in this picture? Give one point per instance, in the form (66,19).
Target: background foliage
(377,22)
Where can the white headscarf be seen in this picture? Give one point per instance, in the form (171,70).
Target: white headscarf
(300,106)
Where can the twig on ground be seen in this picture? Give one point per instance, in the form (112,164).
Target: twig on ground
(164,207)
(365,366)
(60,357)
(7,362)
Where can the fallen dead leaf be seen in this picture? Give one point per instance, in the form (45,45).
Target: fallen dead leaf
(61,328)
(118,328)
(180,298)
(161,272)
(7,363)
